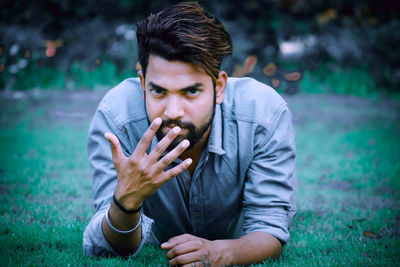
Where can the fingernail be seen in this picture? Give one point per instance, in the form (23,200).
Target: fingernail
(176,129)
(188,162)
(157,121)
(185,143)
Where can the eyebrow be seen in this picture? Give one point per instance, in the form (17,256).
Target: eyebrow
(195,86)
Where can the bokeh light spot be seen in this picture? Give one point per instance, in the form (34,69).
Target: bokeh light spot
(50,51)
(275,83)
(138,66)
(270,69)
(14,49)
(51,47)
(246,68)
(292,77)
(328,15)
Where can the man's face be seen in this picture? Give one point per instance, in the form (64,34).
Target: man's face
(181,94)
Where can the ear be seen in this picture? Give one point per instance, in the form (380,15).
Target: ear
(220,86)
(142,81)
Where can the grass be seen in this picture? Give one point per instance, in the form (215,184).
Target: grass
(348,189)
(78,76)
(331,78)
(45,198)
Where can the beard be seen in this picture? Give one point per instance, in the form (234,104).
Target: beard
(193,135)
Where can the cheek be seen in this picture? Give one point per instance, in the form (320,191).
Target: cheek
(206,104)
(201,111)
(153,110)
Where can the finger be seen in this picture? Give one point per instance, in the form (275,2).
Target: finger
(184,248)
(164,143)
(176,240)
(171,173)
(116,149)
(194,264)
(147,137)
(189,258)
(171,156)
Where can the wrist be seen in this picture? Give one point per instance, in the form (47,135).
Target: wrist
(123,209)
(224,251)
(129,201)
(121,220)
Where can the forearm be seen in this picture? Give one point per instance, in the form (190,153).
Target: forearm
(124,244)
(139,176)
(251,248)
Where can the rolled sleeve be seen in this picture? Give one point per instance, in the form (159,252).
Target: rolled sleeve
(95,243)
(270,187)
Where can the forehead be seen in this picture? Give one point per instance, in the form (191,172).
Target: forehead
(175,74)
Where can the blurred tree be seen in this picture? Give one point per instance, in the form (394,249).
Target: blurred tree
(60,33)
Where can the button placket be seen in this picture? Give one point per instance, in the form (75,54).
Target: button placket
(196,194)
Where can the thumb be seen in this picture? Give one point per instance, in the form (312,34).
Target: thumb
(116,149)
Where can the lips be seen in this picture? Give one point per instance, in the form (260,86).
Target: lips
(168,124)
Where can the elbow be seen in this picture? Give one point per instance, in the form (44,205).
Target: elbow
(277,248)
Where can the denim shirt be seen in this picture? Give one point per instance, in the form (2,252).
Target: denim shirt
(244,182)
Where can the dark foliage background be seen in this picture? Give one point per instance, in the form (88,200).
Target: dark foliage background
(49,43)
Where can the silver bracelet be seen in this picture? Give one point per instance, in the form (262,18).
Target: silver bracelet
(121,231)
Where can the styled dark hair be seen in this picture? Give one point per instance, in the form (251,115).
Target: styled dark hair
(184,32)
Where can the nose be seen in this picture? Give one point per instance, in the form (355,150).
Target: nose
(174,108)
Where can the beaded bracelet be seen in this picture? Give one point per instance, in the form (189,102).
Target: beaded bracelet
(121,231)
(123,209)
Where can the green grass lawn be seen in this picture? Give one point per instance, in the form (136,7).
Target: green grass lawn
(348,197)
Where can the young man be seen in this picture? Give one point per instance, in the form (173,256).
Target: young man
(200,163)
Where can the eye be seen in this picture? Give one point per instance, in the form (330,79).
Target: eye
(157,91)
(192,92)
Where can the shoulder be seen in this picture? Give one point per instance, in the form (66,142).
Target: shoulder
(249,99)
(124,101)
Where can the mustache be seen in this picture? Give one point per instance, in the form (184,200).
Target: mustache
(182,124)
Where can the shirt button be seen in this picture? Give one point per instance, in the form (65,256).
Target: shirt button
(196,213)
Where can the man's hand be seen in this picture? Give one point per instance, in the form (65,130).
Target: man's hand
(189,250)
(141,174)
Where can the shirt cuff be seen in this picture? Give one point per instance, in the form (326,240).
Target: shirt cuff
(273,220)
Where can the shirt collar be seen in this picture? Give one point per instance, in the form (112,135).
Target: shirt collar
(215,139)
